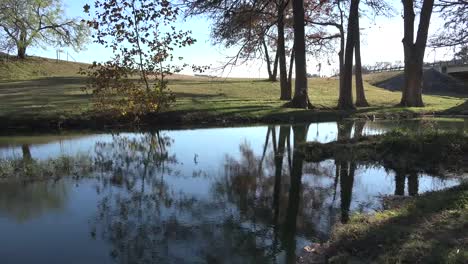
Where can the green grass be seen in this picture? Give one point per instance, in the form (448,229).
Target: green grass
(60,97)
(427,229)
(378,77)
(37,67)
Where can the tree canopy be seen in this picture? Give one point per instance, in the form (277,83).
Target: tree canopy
(26,23)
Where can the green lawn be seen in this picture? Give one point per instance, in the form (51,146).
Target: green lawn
(61,97)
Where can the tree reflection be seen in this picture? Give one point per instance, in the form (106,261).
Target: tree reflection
(25,201)
(26,153)
(131,219)
(284,135)
(346,172)
(413,182)
(300,136)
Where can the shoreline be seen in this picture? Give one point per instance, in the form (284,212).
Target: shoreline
(175,120)
(414,230)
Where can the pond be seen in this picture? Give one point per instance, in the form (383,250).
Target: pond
(221,195)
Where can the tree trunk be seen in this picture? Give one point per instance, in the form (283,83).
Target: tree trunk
(285,92)
(301,97)
(412,93)
(361,100)
(342,47)
(291,65)
(341,59)
(414,52)
(275,66)
(345,100)
(21,52)
(271,76)
(21,45)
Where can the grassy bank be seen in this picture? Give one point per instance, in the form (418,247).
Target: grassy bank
(434,152)
(55,98)
(426,229)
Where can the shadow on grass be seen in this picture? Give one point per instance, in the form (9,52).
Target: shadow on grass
(44,82)
(194,82)
(218,110)
(426,230)
(462,108)
(185,95)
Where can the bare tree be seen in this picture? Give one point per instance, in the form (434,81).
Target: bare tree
(454,31)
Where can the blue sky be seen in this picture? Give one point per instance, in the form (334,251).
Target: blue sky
(381,41)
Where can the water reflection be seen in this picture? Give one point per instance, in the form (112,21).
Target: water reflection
(23,202)
(179,197)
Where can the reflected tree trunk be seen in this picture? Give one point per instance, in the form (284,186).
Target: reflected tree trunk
(347,171)
(400,177)
(27,159)
(300,134)
(345,128)
(267,138)
(279,157)
(413,183)
(359,128)
(26,153)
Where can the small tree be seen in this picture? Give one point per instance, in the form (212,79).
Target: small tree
(27,23)
(142,35)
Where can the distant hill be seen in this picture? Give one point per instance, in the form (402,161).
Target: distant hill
(12,68)
(378,77)
(434,82)
(34,67)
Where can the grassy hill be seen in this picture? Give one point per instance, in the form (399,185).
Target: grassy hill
(45,91)
(37,67)
(378,77)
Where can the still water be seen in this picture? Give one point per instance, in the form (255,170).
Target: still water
(224,195)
